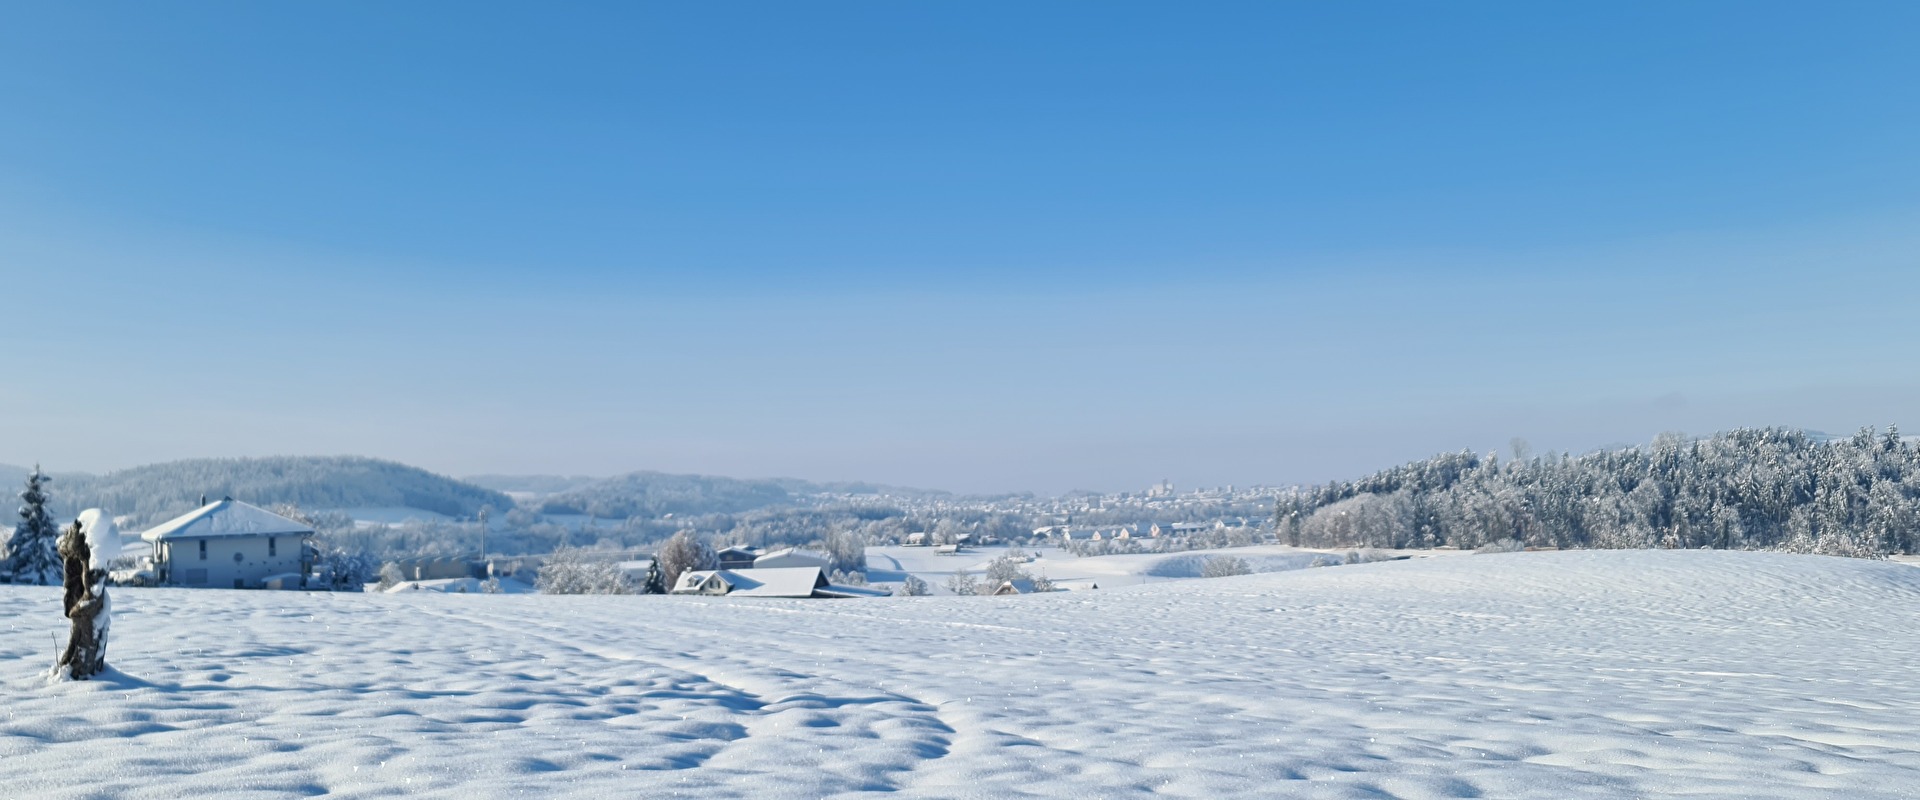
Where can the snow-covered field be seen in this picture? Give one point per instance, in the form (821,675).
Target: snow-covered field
(1549,675)
(889,565)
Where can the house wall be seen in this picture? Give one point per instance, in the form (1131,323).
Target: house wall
(229,559)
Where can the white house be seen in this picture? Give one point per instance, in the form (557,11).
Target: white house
(230,544)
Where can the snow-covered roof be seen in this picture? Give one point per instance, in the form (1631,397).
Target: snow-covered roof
(792,556)
(776,582)
(226,518)
(841,590)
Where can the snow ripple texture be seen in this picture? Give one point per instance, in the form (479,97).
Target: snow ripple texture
(1552,675)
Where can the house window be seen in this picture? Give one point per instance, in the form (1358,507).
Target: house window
(203,549)
(273,546)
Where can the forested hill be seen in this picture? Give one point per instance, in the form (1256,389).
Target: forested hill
(652,494)
(158,492)
(1745,489)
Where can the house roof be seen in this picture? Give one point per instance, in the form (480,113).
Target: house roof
(840,590)
(224,519)
(777,556)
(777,582)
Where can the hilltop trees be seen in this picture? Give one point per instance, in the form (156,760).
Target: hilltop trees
(1766,488)
(30,554)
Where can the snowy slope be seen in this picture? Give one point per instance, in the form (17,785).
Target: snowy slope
(888,565)
(1549,675)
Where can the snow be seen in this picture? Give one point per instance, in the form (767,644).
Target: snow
(103,538)
(891,565)
(1611,674)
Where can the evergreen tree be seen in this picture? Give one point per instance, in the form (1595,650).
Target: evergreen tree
(656,582)
(31,556)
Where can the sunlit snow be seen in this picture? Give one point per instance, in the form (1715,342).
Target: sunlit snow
(1552,675)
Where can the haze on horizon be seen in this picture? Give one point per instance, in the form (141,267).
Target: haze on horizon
(981,247)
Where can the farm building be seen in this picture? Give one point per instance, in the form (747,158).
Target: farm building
(231,544)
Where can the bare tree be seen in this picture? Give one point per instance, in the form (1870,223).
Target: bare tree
(1224,566)
(963,582)
(682,553)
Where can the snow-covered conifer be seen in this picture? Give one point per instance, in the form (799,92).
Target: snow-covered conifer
(31,554)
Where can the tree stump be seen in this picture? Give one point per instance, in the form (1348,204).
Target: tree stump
(86,607)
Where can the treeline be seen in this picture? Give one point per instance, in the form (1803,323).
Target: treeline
(1766,488)
(158,492)
(526,532)
(654,494)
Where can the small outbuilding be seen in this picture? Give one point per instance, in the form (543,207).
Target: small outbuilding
(738,556)
(231,544)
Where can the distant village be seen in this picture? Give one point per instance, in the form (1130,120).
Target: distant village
(229,543)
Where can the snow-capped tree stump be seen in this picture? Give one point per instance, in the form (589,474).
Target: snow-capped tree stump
(85,580)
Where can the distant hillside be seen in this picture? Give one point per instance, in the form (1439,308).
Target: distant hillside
(652,494)
(797,486)
(531,484)
(158,492)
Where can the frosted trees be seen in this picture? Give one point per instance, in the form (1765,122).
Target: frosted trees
(1009,567)
(914,587)
(30,553)
(847,549)
(1765,488)
(962,582)
(682,553)
(1225,566)
(569,571)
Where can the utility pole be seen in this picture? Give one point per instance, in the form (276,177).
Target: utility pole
(483,537)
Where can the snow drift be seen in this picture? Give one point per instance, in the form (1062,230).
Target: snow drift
(1552,675)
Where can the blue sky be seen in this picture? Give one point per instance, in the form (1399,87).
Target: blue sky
(975,246)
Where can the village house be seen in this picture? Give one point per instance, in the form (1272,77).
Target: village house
(231,544)
(739,556)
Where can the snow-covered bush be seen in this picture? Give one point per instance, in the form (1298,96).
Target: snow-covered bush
(350,571)
(914,587)
(962,582)
(569,571)
(390,574)
(1009,567)
(1225,566)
